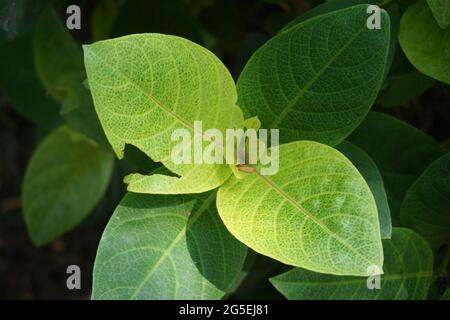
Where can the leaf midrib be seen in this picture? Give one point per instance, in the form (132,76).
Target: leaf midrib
(312,217)
(190,221)
(143,91)
(302,92)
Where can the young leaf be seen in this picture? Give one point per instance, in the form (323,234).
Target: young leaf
(425,44)
(408,273)
(400,151)
(441,12)
(57,68)
(317,212)
(148,85)
(307,80)
(426,205)
(166,247)
(369,171)
(66,177)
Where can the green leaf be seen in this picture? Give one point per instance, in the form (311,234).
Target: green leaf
(446,295)
(408,273)
(426,205)
(425,44)
(62,73)
(148,85)
(441,12)
(323,8)
(317,212)
(58,58)
(66,177)
(369,171)
(307,80)
(103,18)
(20,83)
(78,110)
(404,87)
(400,151)
(166,247)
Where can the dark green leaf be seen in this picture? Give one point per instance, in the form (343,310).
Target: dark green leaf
(58,58)
(441,11)
(425,44)
(427,203)
(408,273)
(66,177)
(307,80)
(19,81)
(166,247)
(400,151)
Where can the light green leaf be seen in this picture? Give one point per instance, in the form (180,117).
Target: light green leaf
(317,212)
(369,171)
(166,247)
(408,273)
(66,177)
(425,44)
(441,12)
(426,205)
(307,80)
(58,58)
(400,151)
(148,85)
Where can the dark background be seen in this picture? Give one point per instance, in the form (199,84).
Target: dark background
(232,29)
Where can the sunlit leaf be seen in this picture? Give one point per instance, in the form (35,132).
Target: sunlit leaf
(317,212)
(369,171)
(142,94)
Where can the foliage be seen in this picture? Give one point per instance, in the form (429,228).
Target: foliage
(358,188)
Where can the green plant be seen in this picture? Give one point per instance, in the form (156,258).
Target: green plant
(357,190)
